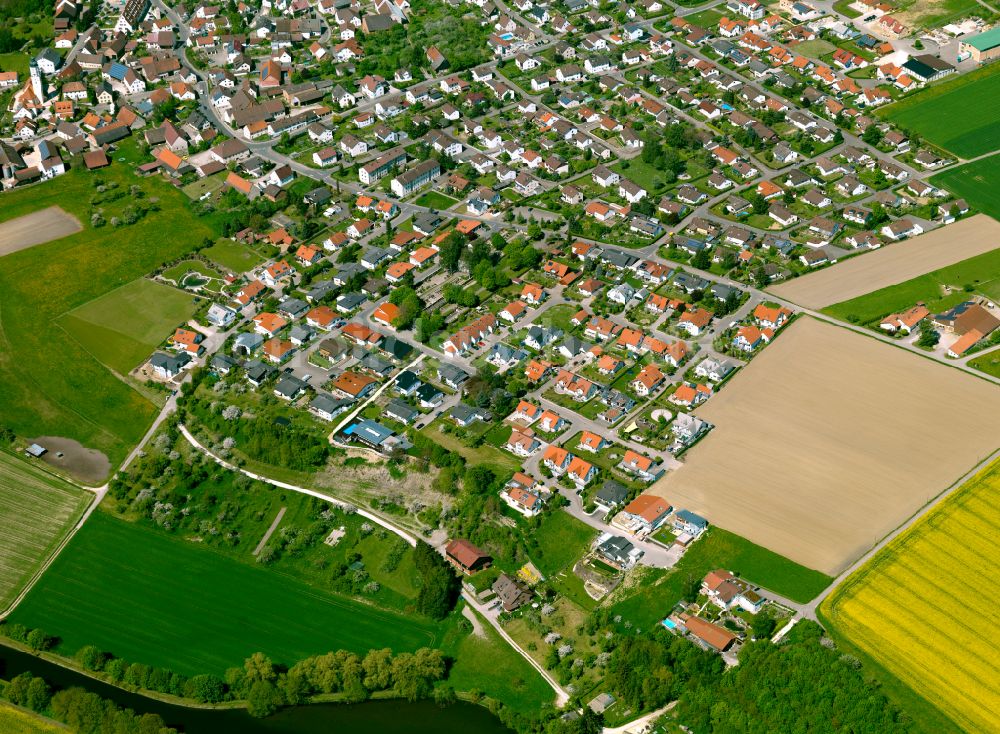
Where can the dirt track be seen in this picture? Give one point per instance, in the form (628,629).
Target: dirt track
(893,263)
(36,228)
(829,440)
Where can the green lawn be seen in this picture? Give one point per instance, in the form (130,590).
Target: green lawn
(435,200)
(981,274)
(36,511)
(15,62)
(497,459)
(233,256)
(178,271)
(490,665)
(719,548)
(559,542)
(49,383)
(953,115)
(978,183)
(149,597)
(122,328)
(988,363)
(815,49)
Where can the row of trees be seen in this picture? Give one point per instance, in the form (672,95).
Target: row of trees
(80,710)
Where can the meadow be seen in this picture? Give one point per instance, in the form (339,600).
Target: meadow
(981,274)
(148,597)
(918,610)
(977,182)
(954,115)
(36,511)
(49,383)
(821,468)
(488,664)
(122,328)
(718,548)
(232,256)
(988,363)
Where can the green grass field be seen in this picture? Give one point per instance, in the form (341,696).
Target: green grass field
(36,511)
(15,62)
(954,115)
(560,542)
(435,200)
(988,363)
(148,597)
(719,549)
(233,256)
(977,182)
(122,328)
(490,665)
(981,273)
(49,383)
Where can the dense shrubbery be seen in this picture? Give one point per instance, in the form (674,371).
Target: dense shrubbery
(802,685)
(439,587)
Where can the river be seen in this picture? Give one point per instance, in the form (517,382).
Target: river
(384,717)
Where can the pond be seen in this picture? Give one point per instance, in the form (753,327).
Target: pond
(385,717)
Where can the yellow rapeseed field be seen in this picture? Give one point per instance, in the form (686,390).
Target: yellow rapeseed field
(924,608)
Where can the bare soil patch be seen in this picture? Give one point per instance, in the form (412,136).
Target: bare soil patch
(35,228)
(893,264)
(829,440)
(88,466)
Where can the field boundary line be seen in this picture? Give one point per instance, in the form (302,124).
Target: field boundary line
(270,531)
(846,576)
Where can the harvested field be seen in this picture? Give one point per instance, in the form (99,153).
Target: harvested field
(893,264)
(36,228)
(829,440)
(918,610)
(36,511)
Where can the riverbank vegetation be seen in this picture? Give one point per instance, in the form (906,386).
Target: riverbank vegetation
(80,710)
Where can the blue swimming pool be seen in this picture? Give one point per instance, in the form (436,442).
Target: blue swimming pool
(669,624)
(507,36)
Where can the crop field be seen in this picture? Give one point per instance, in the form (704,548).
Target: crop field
(821,444)
(36,511)
(953,115)
(50,385)
(939,290)
(977,182)
(918,607)
(149,597)
(122,328)
(893,264)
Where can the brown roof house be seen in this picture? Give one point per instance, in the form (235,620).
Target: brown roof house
(466,557)
(511,592)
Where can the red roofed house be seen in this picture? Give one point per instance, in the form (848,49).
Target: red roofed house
(466,557)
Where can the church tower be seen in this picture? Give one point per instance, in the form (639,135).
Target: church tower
(37,81)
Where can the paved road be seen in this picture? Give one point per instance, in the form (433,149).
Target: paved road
(561,695)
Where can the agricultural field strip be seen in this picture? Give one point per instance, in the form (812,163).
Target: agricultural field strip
(819,507)
(893,264)
(34,511)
